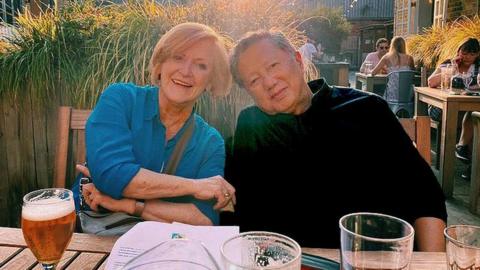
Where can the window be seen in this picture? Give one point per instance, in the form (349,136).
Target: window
(439,12)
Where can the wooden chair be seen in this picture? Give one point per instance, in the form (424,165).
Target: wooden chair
(418,129)
(70,142)
(475,176)
(437,125)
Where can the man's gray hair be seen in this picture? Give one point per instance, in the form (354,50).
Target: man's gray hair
(277,38)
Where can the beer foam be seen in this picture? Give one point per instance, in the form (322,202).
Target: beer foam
(47,209)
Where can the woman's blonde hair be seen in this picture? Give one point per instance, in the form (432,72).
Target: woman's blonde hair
(185,35)
(398,45)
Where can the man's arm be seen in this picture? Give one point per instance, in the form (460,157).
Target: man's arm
(379,66)
(429,234)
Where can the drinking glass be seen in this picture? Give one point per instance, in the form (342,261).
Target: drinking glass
(467,79)
(175,254)
(375,241)
(446,77)
(368,67)
(48,221)
(261,250)
(478,79)
(463,247)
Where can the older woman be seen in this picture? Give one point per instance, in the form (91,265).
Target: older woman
(466,61)
(132,131)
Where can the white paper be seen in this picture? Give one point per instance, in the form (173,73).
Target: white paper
(148,234)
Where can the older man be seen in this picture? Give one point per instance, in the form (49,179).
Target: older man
(307,154)
(374,57)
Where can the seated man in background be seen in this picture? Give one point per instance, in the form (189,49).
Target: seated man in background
(374,57)
(306,154)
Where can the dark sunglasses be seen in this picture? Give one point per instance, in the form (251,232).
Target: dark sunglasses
(384,48)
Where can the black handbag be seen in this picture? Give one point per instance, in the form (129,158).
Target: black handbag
(117,223)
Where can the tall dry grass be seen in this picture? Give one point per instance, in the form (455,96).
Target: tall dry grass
(74,54)
(438,44)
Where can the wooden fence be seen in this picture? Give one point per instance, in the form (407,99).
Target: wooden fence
(27,150)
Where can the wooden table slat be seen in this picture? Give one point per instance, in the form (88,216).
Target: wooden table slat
(23,260)
(87,260)
(67,257)
(80,241)
(104,264)
(6,253)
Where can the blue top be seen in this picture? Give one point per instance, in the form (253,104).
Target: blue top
(124,133)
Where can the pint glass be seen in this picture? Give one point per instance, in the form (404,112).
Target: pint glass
(48,221)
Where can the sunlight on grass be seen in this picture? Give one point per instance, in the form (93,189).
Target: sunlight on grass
(438,44)
(70,57)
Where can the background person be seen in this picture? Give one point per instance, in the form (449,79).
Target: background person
(306,154)
(132,131)
(308,50)
(374,57)
(467,60)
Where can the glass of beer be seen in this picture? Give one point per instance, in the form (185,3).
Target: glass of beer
(375,242)
(48,221)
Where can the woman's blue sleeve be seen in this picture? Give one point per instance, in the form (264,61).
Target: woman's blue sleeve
(111,160)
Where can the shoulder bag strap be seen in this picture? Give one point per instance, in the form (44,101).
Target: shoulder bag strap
(177,153)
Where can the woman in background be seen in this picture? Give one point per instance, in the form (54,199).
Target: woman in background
(467,60)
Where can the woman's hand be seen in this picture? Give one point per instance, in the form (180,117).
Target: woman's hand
(214,188)
(94,198)
(457,60)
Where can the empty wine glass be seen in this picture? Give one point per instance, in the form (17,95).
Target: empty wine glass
(467,79)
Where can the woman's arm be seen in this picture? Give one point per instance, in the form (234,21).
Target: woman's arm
(151,185)
(411,62)
(156,210)
(435,78)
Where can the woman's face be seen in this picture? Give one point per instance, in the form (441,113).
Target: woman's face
(186,74)
(468,58)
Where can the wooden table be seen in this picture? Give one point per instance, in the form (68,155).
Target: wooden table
(367,82)
(84,252)
(451,105)
(90,252)
(334,73)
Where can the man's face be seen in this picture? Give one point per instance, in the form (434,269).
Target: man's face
(382,49)
(273,77)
